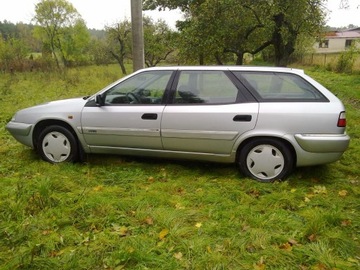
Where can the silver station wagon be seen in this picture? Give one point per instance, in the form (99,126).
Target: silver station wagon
(266,120)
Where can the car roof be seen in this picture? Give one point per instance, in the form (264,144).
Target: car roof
(231,68)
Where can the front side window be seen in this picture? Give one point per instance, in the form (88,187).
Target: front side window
(273,86)
(143,88)
(205,87)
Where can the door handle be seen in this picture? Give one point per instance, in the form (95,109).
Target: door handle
(149,116)
(242,118)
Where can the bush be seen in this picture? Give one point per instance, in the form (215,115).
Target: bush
(346,60)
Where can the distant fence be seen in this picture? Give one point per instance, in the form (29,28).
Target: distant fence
(328,60)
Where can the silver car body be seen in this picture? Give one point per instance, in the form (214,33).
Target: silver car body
(211,131)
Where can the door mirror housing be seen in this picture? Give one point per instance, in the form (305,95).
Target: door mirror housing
(99,100)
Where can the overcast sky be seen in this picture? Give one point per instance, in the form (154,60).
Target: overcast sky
(97,14)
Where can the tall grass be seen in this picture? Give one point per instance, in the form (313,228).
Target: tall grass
(132,213)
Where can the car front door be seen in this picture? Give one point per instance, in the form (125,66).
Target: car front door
(128,115)
(206,115)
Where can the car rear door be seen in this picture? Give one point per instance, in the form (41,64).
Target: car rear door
(207,114)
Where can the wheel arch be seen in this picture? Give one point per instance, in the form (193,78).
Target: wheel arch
(49,122)
(286,142)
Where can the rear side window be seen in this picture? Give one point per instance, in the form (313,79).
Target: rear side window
(276,86)
(205,87)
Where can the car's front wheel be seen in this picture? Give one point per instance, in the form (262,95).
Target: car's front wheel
(266,159)
(57,144)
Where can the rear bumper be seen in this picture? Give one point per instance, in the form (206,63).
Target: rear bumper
(323,143)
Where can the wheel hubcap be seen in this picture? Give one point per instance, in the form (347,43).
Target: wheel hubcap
(56,147)
(265,161)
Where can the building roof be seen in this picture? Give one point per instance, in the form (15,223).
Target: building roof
(350,33)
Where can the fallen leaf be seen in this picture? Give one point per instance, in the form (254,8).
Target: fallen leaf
(346,223)
(179,206)
(312,237)
(149,221)
(287,246)
(260,265)
(320,266)
(181,190)
(46,232)
(293,242)
(306,199)
(163,234)
(120,230)
(343,193)
(198,225)
(293,190)
(123,231)
(251,248)
(254,193)
(178,256)
(319,190)
(98,188)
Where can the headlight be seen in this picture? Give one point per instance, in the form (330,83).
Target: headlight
(13,119)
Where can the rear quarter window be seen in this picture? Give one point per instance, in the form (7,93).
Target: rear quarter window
(278,86)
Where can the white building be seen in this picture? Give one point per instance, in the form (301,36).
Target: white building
(337,41)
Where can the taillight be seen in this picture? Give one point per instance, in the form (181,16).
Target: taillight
(342,120)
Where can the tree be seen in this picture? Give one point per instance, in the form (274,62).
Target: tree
(290,20)
(7,30)
(246,26)
(61,29)
(159,42)
(119,38)
(187,6)
(100,52)
(224,27)
(13,53)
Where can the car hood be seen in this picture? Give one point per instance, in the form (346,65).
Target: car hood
(60,109)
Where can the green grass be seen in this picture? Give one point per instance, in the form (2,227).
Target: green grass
(132,213)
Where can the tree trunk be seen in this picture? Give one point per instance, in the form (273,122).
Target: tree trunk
(218,59)
(120,60)
(282,48)
(239,58)
(201,59)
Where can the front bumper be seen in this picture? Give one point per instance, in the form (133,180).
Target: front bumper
(21,132)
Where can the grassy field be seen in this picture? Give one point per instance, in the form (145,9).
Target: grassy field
(131,213)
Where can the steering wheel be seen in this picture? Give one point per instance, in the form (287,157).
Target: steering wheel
(132,98)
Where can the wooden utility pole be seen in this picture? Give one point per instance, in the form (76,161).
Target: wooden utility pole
(137,34)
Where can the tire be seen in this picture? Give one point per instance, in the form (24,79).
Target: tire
(266,160)
(57,144)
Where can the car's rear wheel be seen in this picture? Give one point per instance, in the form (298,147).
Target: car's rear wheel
(266,160)
(57,144)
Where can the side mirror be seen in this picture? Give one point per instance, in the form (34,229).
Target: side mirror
(99,100)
